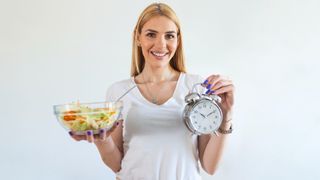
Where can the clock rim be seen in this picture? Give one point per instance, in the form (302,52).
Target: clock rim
(188,119)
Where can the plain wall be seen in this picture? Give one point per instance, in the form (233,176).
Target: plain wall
(54,52)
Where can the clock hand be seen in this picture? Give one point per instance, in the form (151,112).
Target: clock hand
(202,115)
(210,113)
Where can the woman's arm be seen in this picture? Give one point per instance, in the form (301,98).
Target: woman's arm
(109,144)
(111,148)
(210,149)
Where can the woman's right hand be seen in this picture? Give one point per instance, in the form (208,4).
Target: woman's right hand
(90,137)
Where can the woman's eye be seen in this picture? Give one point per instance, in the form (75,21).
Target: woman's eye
(152,35)
(170,36)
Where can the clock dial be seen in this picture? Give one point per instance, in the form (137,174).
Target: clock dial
(205,117)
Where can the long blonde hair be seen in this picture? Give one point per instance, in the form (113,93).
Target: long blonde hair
(138,61)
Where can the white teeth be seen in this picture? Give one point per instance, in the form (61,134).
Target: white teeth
(158,54)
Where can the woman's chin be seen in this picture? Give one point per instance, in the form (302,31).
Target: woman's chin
(159,65)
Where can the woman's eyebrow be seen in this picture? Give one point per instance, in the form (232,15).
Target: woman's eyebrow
(169,32)
(154,31)
(151,30)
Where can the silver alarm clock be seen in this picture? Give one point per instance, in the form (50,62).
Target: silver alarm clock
(202,114)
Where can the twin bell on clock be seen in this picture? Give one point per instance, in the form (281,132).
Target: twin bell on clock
(202,114)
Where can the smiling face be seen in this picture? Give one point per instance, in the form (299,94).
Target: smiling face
(158,40)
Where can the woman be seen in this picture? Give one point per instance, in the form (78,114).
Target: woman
(152,141)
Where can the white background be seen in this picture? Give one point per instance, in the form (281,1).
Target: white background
(54,52)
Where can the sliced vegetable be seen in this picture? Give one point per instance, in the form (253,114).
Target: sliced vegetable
(82,118)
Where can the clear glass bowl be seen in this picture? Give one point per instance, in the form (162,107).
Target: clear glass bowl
(81,117)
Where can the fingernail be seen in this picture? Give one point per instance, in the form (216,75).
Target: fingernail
(209,86)
(206,81)
(102,135)
(89,133)
(70,133)
(208,91)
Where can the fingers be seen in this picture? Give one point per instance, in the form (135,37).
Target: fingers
(115,126)
(216,82)
(214,79)
(77,137)
(90,137)
(102,134)
(225,89)
(221,84)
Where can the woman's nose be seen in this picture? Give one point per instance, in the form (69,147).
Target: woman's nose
(161,42)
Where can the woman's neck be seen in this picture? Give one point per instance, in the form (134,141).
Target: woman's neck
(159,75)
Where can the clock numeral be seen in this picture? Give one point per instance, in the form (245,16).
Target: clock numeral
(195,111)
(210,127)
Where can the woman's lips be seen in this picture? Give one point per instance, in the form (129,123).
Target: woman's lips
(159,55)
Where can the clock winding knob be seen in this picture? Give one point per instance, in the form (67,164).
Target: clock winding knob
(215,98)
(192,97)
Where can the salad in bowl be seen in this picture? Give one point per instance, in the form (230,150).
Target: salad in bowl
(81,117)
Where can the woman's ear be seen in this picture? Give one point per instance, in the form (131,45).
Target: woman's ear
(138,40)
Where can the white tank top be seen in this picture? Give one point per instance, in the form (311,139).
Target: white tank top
(157,144)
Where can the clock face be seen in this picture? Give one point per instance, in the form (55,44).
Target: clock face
(205,117)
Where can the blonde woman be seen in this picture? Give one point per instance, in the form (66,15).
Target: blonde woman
(152,142)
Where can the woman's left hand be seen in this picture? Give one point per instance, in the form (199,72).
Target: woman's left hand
(223,87)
